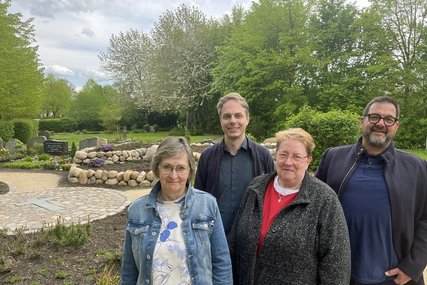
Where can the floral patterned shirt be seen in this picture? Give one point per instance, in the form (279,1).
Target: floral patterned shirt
(170,255)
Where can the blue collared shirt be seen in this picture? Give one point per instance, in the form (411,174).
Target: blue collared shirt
(234,178)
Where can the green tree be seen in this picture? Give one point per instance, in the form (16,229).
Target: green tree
(184,43)
(265,59)
(89,103)
(21,76)
(57,97)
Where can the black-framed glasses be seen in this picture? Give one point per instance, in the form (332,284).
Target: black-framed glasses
(375,118)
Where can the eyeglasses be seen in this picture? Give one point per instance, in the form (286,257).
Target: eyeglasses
(168,169)
(295,158)
(375,119)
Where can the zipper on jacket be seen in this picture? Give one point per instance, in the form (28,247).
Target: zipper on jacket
(349,171)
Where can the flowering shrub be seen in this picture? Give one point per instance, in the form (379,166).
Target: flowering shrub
(97,162)
(4,154)
(106,147)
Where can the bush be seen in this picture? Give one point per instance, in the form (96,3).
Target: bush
(177,132)
(329,129)
(6,130)
(59,125)
(73,235)
(22,130)
(43,157)
(4,155)
(73,149)
(146,128)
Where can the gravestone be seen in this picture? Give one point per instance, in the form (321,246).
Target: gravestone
(88,142)
(45,133)
(102,142)
(34,140)
(11,145)
(55,147)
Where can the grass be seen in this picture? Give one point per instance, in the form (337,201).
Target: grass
(113,137)
(418,152)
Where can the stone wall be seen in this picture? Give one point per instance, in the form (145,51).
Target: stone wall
(128,177)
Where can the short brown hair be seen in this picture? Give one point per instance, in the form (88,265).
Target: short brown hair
(232,96)
(296,134)
(172,147)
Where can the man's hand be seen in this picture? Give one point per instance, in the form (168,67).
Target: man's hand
(399,277)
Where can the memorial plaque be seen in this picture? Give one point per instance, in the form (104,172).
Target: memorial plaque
(55,147)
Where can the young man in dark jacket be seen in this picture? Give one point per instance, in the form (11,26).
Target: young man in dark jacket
(383,192)
(226,168)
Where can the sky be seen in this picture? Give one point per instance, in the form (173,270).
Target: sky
(71,34)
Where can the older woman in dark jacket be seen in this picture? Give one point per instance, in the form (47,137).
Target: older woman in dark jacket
(290,228)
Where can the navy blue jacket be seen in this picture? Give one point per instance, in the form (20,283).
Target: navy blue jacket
(208,169)
(406,178)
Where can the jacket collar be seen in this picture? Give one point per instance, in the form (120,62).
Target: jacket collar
(152,198)
(387,155)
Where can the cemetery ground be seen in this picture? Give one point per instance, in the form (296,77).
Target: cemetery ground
(88,254)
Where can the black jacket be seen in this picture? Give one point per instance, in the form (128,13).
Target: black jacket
(208,169)
(406,178)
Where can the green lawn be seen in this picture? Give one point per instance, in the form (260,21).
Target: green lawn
(418,152)
(113,137)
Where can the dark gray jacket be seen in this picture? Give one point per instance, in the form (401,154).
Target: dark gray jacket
(307,243)
(406,178)
(208,169)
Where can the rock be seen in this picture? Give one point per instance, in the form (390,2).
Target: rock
(134,175)
(145,183)
(81,154)
(91,154)
(122,183)
(115,158)
(141,176)
(98,174)
(196,155)
(112,181)
(150,153)
(83,177)
(127,175)
(77,160)
(132,183)
(92,180)
(120,175)
(73,180)
(112,174)
(150,176)
(90,173)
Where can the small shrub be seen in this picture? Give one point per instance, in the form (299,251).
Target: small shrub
(61,274)
(73,149)
(6,264)
(43,271)
(27,159)
(109,256)
(4,154)
(65,166)
(146,128)
(25,164)
(107,277)
(73,235)
(43,157)
(14,279)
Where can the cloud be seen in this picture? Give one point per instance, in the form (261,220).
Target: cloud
(59,70)
(95,74)
(88,32)
(71,34)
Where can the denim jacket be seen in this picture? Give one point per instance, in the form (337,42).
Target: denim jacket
(208,256)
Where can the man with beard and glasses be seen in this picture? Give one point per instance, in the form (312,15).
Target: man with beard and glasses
(383,192)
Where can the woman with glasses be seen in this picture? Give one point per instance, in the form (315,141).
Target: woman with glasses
(290,228)
(175,234)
